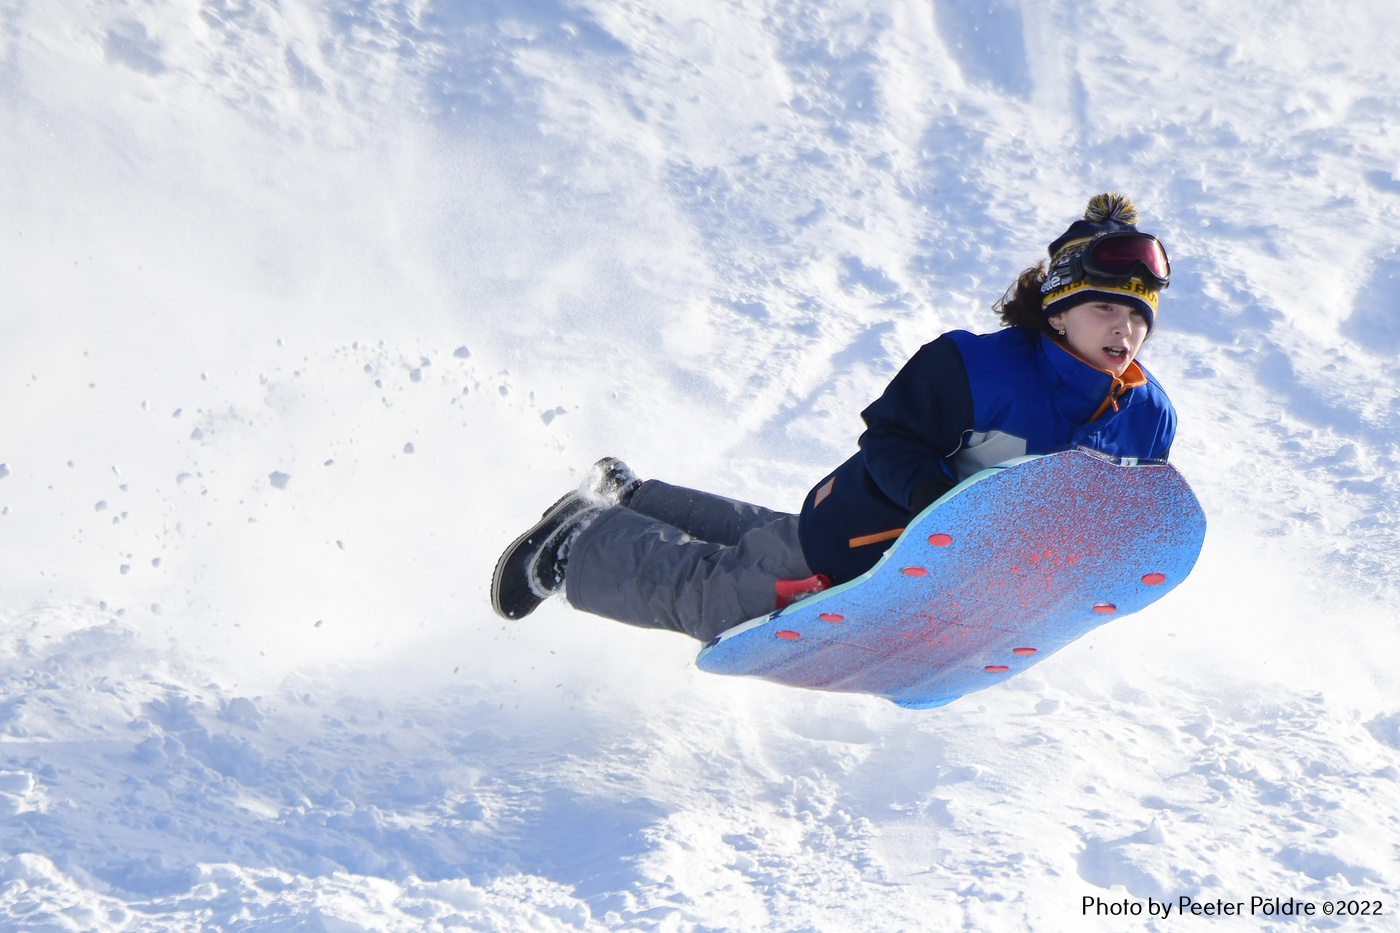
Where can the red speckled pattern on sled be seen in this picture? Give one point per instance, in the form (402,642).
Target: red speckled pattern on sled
(1002,572)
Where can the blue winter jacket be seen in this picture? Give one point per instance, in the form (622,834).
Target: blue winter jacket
(963,403)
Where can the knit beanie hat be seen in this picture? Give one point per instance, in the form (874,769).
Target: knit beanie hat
(1065,285)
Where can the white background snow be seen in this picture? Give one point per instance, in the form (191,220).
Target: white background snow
(310,306)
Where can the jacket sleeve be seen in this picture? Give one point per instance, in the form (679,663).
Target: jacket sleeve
(1166,433)
(918,421)
(1157,433)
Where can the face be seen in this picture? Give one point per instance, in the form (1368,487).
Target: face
(1105,334)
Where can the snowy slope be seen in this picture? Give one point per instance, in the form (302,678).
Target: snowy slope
(309,306)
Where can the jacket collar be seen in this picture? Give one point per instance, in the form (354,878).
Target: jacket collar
(1084,391)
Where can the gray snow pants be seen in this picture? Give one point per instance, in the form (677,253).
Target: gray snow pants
(679,559)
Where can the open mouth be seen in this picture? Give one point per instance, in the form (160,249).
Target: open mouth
(1116,353)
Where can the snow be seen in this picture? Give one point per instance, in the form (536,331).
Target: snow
(253,481)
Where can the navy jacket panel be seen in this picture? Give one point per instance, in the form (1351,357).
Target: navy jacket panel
(1013,384)
(831,529)
(919,420)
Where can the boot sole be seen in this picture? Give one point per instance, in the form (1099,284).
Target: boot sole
(517,559)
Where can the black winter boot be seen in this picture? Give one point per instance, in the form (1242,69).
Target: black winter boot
(609,482)
(546,571)
(532,569)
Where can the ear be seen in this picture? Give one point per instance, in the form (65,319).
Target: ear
(1057,321)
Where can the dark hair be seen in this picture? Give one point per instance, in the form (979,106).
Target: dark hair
(1020,305)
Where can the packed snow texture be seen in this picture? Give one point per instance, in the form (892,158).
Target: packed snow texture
(253,481)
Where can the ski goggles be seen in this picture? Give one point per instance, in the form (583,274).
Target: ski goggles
(1114,258)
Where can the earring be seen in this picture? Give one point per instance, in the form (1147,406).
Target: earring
(1062,332)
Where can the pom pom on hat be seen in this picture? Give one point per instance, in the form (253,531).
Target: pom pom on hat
(1109,212)
(1110,206)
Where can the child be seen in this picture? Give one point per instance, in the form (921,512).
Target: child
(1061,373)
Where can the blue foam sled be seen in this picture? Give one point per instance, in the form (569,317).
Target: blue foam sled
(1007,568)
